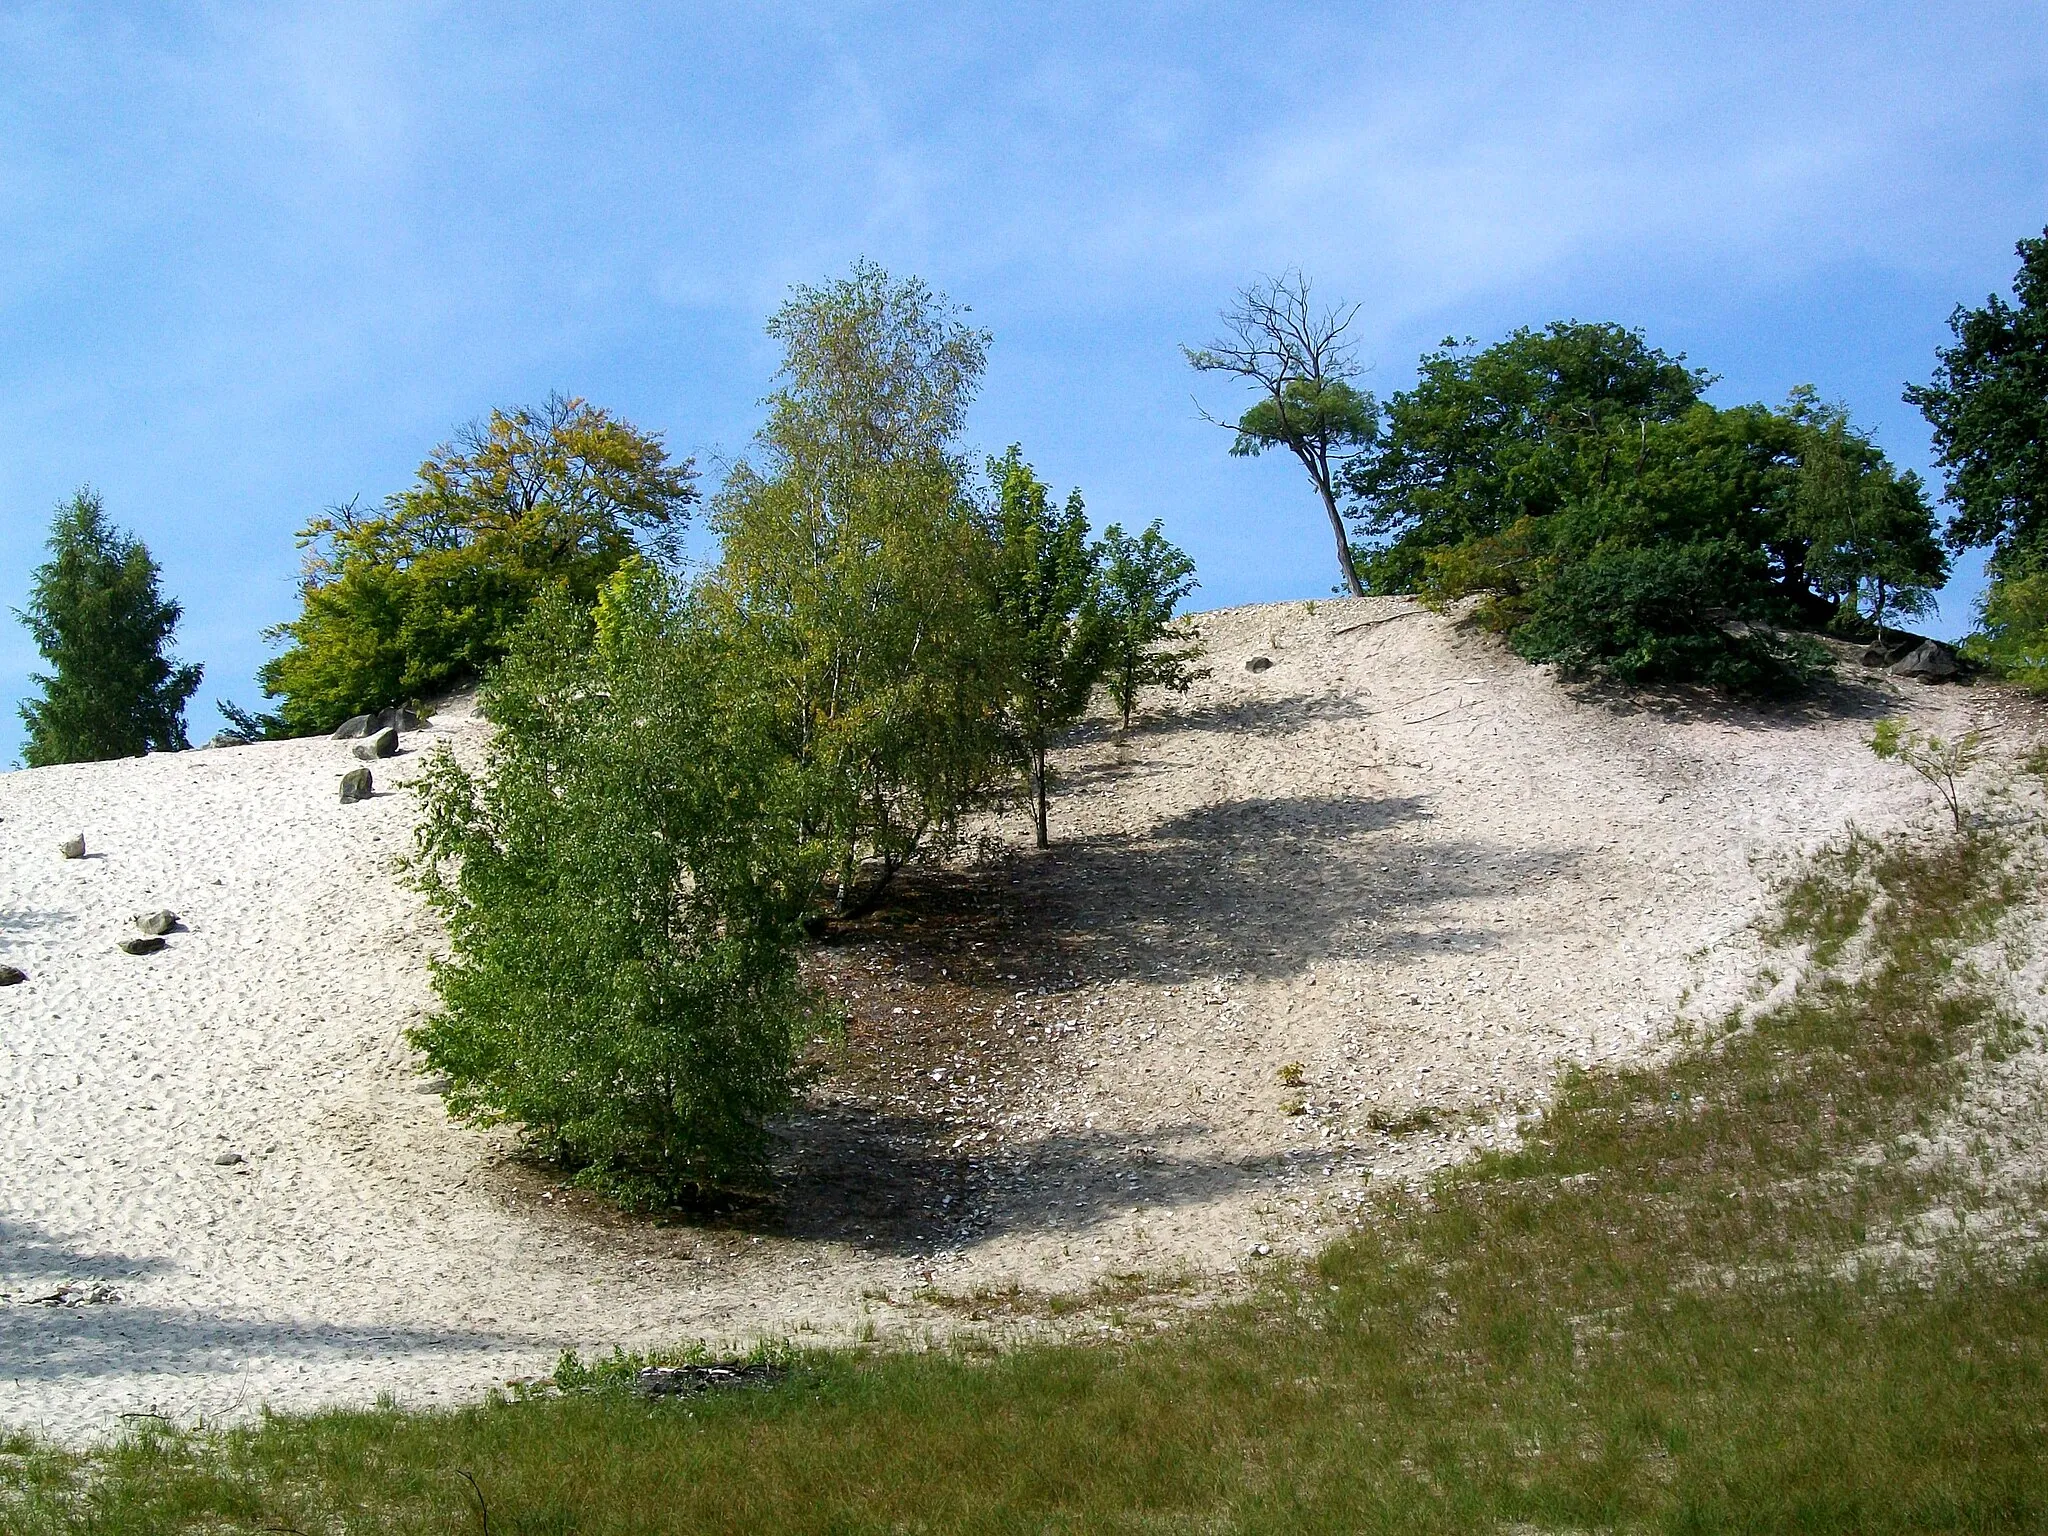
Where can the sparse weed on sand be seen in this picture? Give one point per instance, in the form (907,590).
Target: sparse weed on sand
(1646,1317)
(1825,904)
(1406,1123)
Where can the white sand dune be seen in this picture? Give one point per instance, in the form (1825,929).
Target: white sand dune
(1399,857)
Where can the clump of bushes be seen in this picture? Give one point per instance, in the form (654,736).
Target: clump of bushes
(1648,616)
(1612,520)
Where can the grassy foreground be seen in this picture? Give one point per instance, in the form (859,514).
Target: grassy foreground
(1647,1318)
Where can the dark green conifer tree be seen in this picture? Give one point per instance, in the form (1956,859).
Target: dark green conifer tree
(103,624)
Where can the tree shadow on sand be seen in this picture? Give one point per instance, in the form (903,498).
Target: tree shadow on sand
(1251,715)
(45,1344)
(31,1258)
(1266,886)
(890,1182)
(20,922)
(44,1338)
(1838,698)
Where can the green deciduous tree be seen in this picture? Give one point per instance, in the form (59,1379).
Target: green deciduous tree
(1045,599)
(1296,356)
(1988,405)
(621,884)
(855,571)
(425,593)
(100,620)
(1142,582)
(1871,537)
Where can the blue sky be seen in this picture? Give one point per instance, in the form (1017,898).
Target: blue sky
(261,258)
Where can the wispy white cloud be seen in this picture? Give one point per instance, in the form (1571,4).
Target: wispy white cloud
(1486,151)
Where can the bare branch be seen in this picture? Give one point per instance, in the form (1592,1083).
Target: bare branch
(1275,334)
(1277,339)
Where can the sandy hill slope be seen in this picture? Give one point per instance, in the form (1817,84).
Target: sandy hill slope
(1332,921)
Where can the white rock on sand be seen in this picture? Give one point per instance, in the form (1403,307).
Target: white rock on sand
(1399,857)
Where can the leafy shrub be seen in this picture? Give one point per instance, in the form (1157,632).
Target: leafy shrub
(426,593)
(1662,615)
(621,886)
(1504,568)
(2013,641)
(1561,470)
(1942,763)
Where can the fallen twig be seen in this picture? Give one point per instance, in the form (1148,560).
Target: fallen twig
(476,1488)
(1385,618)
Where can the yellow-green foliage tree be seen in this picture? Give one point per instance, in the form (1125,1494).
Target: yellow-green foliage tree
(425,593)
(855,571)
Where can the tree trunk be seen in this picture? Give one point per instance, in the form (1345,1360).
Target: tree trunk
(1038,805)
(1351,581)
(842,899)
(859,906)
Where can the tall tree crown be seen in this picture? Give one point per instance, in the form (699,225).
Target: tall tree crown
(1487,436)
(425,591)
(875,371)
(853,570)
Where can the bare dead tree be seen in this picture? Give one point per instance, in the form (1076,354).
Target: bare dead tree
(1295,353)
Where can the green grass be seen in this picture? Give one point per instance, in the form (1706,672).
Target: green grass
(1824,907)
(1647,1318)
